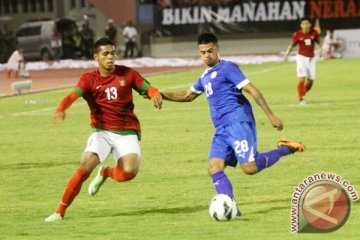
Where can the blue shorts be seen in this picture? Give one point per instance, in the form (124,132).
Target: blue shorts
(235,143)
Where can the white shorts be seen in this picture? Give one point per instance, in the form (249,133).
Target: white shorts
(103,143)
(305,67)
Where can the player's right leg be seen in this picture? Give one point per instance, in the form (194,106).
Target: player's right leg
(243,137)
(88,162)
(96,151)
(285,147)
(293,145)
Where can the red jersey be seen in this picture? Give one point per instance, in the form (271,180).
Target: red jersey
(110,98)
(306,42)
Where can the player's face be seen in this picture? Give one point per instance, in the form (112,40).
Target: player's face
(305,26)
(106,58)
(209,54)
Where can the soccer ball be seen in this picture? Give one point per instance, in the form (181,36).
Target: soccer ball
(222,208)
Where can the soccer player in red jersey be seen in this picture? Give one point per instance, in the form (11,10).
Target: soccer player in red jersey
(306,38)
(116,129)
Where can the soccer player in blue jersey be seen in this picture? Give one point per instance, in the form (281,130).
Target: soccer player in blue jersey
(235,138)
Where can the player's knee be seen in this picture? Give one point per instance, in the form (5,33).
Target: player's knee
(249,168)
(89,161)
(212,169)
(215,166)
(121,175)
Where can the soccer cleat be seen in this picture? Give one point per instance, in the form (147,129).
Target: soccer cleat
(302,103)
(238,213)
(294,146)
(97,182)
(54,217)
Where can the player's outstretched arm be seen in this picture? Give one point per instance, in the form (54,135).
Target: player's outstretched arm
(288,51)
(260,100)
(154,94)
(182,96)
(59,114)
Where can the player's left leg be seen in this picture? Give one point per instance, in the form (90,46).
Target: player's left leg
(222,184)
(308,84)
(301,90)
(309,81)
(125,170)
(301,72)
(126,150)
(9,73)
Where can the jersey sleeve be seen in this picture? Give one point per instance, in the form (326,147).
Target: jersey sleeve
(294,38)
(236,76)
(140,84)
(83,85)
(197,87)
(316,36)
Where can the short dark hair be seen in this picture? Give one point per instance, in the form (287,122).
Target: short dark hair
(305,19)
(206,38)
(102,42)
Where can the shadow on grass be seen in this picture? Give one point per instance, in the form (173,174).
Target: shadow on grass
(185,210)
(178,210)
(270,209)
(30,165)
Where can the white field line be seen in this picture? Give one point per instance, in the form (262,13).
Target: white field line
(185,86)
(310,105)
(36,112)
(266,70)
(249,73)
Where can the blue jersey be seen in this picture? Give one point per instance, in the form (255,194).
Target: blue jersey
(223,85)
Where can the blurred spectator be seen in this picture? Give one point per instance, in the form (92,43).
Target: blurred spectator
(330,46)
(13,64)
(9,38)
(87,40)
(3,56)
(130,34)
(71,42)
(7,43)
(165,3)
(111,31)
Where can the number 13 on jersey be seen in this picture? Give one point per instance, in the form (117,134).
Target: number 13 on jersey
(111,93)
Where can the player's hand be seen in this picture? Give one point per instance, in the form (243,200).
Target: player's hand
(286,57)
(157,101)
(155,95)
(276,122)
(58,116)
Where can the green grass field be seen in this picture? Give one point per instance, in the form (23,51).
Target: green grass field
(170,196)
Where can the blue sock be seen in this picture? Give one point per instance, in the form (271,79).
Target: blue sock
(222,184)
(267,159)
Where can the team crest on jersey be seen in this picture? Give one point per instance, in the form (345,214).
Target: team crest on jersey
(122,82)
(213,75)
